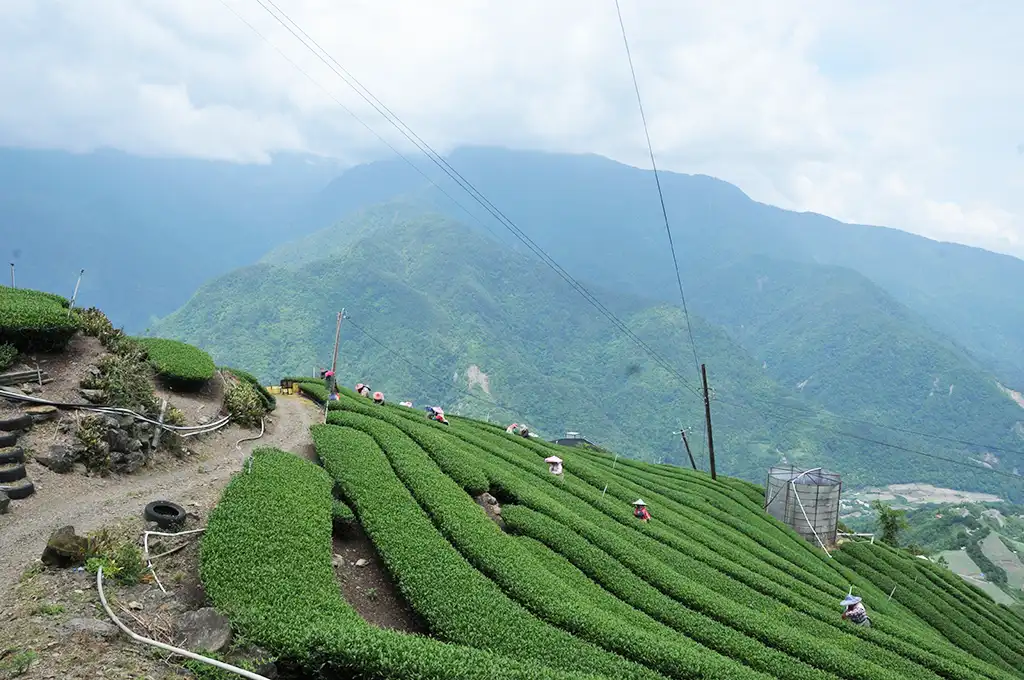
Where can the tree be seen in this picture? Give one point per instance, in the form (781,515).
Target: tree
(890,523)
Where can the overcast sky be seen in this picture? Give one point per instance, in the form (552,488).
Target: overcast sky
(903,113)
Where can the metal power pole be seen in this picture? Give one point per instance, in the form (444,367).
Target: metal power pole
(334,363)
(12,276)
(707,417)
(74,296)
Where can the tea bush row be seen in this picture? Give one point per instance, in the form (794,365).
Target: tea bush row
(34,321)
(265,561)
(179,364)
(457,601)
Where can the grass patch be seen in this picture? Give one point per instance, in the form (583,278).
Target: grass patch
(268,399)
(8,353)
(243,402)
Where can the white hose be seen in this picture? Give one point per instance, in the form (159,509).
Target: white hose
(174,650)
(114,410)
(263,428)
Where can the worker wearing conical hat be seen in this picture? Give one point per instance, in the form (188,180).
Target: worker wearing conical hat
(378,397)
(640,510)
(855,611)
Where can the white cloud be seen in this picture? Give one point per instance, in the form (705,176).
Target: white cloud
(904,114)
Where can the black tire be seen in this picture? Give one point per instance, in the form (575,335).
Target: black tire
(166,514)
(12,454)
(23,488)
(11,472)
(22,421)
(8,439)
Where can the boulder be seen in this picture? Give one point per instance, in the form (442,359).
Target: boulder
(93,396)
(90,627)
(125,463)
(58,458)
(204,629)
(65,548)
(488,499)
(5,502)
(361,562)
(119,440)
(42,413)
(134,446)
(125,422)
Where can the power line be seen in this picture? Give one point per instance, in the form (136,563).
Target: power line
(885,444)
(459,179)
(871,423)
(657,181)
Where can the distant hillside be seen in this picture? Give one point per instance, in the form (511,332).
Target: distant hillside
(148,232)
(600,219)
(457,303)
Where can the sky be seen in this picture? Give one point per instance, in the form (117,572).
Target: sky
(904,114)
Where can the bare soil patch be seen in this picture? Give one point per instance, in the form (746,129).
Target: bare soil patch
(369,588)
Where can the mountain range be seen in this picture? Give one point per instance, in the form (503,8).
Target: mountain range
(866,349)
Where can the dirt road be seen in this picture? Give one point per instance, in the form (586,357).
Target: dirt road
(88,503)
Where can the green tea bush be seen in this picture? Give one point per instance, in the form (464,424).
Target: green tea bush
(179,364)
(265,561)
(33,321)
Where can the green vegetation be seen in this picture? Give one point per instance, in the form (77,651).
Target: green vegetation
(178,363)
(552,362)
(8,353)
(244,402)
(711,587)
(33,321)
(265,560)
(890,523)
(268,399)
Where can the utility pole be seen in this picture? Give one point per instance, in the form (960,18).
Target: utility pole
(686,443)
(707,417)
(334,363)
(12,276)
(74,296)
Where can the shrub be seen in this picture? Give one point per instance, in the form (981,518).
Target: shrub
(33,321)
(177,363)
(268,399)
(265,560)
(244,404)
(126,381)
(8,353)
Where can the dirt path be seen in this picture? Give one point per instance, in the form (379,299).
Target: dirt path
(88,503)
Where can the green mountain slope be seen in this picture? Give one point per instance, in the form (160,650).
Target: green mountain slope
(565,581)
(600,219)
(479,317)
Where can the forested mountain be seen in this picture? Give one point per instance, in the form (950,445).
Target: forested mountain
(480,328)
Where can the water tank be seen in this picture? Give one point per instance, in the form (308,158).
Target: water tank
(806,500)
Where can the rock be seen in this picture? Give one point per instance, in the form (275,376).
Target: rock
(126,463)
(361,562)
(134,446)
(204,629)
(58,458)
(91,627)
(118,440)
(65,548)
(5,502)
(93,396)
(489,499)
(337,560)
(40,414)
(203,420)
(135,605)
(28,388)
(94,371)
(496,510)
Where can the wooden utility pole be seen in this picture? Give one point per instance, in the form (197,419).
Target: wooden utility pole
(12,276)
(707,417)
(686,444)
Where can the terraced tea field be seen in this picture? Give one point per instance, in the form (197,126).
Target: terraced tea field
(564,582)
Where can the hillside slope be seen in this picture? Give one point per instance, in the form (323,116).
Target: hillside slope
(457,304)
(600,220)
(562,578)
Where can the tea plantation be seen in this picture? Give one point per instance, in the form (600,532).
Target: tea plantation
(569,585)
